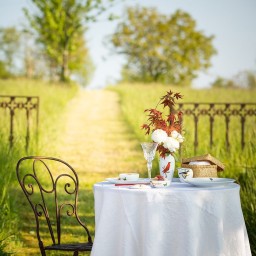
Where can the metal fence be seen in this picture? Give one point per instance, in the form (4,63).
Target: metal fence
(14,105)
(213,110)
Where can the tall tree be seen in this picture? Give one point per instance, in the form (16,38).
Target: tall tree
(161,48)
(60,27)
(9,46)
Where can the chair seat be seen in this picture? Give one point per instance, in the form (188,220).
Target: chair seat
(70,247)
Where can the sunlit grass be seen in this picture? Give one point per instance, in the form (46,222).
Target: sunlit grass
(53,99)
(95,141)
(112,137)
(239,164)
(136,98)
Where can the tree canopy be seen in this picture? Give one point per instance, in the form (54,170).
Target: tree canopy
(60,27)
(160,48)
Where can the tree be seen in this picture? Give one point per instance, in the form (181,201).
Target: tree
(244,79)
(251,78)
(60,31)
(4,74)
(9,46)
(221,82)
(161,48)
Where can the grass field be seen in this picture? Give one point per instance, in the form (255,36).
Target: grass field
(133,100)
(239,164)
(53,99)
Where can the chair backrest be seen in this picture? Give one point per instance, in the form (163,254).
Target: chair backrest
(45,181)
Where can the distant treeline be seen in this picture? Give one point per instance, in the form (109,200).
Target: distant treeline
(167,49)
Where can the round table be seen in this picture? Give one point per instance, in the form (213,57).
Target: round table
(180,220)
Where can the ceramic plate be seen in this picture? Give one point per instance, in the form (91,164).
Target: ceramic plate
(117,181)
(209,182)
(176,180)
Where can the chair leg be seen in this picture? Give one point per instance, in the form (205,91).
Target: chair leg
(41,246)
(43,252)
(75,253)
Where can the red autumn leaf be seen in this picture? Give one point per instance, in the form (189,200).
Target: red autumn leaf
(177,96)
(146,127)
(167,103)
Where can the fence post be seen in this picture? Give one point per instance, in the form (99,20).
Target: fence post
(20,102)
(211,124)
(242,126)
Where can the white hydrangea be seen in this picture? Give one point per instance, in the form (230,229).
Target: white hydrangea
(171,144)
(174,134)
(180,138)
(159,136)
(177,136)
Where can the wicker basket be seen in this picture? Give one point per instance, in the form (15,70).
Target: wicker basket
(202,170)
(210,170)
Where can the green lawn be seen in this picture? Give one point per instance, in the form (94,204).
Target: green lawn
(134,99)
(53,99)
(239,164)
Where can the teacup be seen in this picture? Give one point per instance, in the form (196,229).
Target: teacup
(129,176)
(185,173)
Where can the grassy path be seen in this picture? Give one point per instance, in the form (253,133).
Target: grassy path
(97,141)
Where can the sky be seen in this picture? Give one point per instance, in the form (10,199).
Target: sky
(232,22)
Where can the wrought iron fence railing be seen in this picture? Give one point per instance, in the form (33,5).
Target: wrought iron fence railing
(14,105)
(213,110)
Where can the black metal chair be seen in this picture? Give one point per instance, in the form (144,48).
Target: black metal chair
(45,179)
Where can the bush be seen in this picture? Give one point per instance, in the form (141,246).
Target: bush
(4,74)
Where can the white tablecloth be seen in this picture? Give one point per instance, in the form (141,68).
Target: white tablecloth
(180,220)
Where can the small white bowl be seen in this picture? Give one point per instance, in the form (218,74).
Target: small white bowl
(129,176)
(160,183)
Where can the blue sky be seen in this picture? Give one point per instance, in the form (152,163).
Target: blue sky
(232,22)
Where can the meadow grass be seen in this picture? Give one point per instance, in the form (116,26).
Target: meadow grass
(53,99)
(16,224)
(134,99)
(239,164)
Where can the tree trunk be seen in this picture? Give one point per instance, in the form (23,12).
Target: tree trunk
(64,76)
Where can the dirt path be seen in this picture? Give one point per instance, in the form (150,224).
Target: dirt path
(96,139)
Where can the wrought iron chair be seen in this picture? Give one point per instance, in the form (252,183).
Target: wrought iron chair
(45,179)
